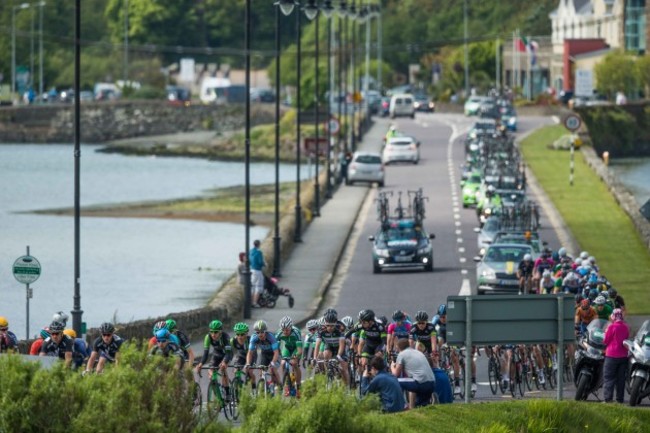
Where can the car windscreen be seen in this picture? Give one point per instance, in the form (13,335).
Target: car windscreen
(475,179)
(396,234)
(491,225)
(401,142)
(368,159)
(502,254)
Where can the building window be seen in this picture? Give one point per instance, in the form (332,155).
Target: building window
(635,25)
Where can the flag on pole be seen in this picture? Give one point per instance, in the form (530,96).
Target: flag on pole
(533,46)
(521,44)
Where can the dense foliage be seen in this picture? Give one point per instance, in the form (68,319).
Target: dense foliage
(162,32)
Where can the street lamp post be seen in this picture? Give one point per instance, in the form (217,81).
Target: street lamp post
(353,15)
(77,312)
(126,42)
(276,238)
(311,11)
(466,49)
(13,44)
(327,11)
(40,49)
(247,144)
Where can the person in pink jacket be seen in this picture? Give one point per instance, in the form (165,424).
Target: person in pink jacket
(615,367)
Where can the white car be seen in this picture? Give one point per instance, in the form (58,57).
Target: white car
(401,149)
(473,105)
(401,105)
(366,167)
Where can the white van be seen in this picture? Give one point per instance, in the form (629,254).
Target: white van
(212,89)
(401,105)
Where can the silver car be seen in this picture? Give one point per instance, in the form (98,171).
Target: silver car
(487,233)
(366,167)
(496,271)
(402,148)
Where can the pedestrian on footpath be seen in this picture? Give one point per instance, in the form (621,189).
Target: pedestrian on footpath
(615,367)
(257,264)
(420,378)
(241,269)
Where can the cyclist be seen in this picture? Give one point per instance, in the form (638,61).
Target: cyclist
(268,345)
(105,348)
(35,348)
(239,344)
(525,273)
(8,340)
(571,283)
(290,339)
(543,263)
(183,340)
(398,330)
(219,341)
(333,340)
(58,344)
(440,323)
(425,333)
(309,341)
(617,299)
(167,346)
(547,283)
(372,337)
(585,313)
(564,257)
(162,324)
(79,348)
(603,309)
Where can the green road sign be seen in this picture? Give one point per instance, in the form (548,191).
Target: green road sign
(26,269)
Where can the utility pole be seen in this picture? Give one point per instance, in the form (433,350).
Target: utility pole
(466,50)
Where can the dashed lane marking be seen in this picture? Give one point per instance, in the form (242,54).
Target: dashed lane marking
(465,289)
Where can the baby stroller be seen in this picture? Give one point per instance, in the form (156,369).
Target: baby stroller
(271,293)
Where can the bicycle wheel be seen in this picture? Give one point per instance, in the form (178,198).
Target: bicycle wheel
(527,373)
(236,388)
(520,379)
(513,378)
(215,400)
(197,399)
(261,388)
(228,404)
(493,376)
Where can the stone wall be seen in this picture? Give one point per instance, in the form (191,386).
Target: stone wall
(624,198)
(106,121)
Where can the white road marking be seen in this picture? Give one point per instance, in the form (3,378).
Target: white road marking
(463,259)
(465,289)
(459,240)
(457,223)
(459,232)
(456,216)
(463,271)
(461,249)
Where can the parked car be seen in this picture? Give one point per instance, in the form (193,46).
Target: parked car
(401,149)
(366,167)
(178,95)
(262,95)
(401,244)
(509,118)
(401,105)
(423,103)
(496,271)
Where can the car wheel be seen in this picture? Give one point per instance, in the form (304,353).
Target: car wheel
(416,161)
(376,269)
(429,266)
(380,184)
(480,292)
(413,116)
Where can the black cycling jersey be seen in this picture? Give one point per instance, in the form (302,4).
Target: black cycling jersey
(423,335)
(239,351)
(108,350)
(51,348)
(375,335)
(170,349)
(526,268)
(221,349)
(441,328)
(331,340)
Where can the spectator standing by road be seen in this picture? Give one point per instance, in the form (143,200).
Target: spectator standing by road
(256,260)
(615,367)
(8,339)
(620,98)
(241,268)
(377,380)
(420,378)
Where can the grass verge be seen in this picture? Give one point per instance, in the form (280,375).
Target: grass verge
(599,225)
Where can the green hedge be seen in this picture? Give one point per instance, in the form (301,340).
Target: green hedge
(622,131)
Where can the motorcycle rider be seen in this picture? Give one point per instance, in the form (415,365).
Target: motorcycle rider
(491,201)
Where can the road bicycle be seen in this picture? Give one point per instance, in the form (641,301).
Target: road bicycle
(218,399)
(237,384)
(550,367)
(266,382)
(494,370)
(332,373)
(289,377)
(516,373)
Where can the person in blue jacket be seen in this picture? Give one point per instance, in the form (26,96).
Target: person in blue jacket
(383,383)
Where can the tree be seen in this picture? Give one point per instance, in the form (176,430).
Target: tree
(617,72)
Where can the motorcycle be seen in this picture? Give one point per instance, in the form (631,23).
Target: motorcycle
(589,360)
(639,370)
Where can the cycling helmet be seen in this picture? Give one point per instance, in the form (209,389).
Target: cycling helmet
(331,311)
(398,316)
(216,325)
(600,300)
(366,315)
(604,294)
(593,294)
(240,328)
(612,292)
(45,333)
(158,326)
(162,335)
(577,261)
(583,271)
(171,325)
(561,252)
(70,333)
(585,264)
(330,317)
(56,327)
(578,298)
(584,304)
(4,323)
(421,316)
(528,257)
(546,274)
(312,324)
(260,325)
(348,322)
(106,328)
(591,259)
(442,310)
(286,322)
(382,319)
(60,317)
(584,255)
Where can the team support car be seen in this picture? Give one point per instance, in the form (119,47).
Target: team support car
(496,271)
(509,118)
(366,167)
(401,244)
(470,187)
(526,237)
(401,149)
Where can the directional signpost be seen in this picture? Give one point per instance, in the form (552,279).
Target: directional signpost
(26,270)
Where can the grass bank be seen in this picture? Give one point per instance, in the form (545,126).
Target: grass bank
(599,225)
